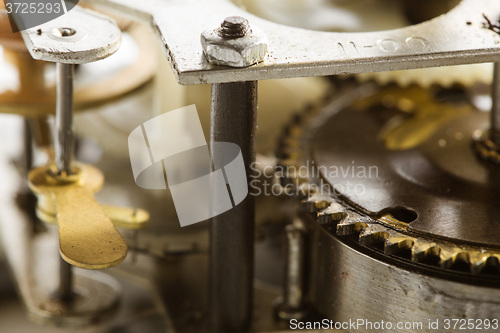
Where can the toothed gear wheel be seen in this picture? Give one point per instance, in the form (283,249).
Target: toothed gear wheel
(466,75)
(433,203)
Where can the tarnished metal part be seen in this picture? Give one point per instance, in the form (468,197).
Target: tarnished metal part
(237,50)
(77,37)
(345,283)
(442,241)
(233,119)
(446,40)
(292,303)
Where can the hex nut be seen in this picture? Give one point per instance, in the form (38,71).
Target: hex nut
(238,52)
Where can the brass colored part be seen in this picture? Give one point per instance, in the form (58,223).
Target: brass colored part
(87,237)
(8,39)
(420,116)
(127,218)
(122,217)
(395,238)
(385,228)
(35,98)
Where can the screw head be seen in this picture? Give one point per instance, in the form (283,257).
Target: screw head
(234,27)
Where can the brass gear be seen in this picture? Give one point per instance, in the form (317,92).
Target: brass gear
(385,232)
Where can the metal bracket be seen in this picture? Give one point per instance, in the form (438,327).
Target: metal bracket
(455,38)
(93,37)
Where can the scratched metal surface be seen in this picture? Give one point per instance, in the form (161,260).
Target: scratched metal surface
(344,284)
(458,37)
(96,37)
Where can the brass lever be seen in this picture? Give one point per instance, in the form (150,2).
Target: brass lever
(87,236)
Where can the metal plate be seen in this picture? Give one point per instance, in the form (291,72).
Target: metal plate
(95,37)
(458,37)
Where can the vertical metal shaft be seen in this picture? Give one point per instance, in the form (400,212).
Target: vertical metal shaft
(294,269)
(495,110)
(234,108)
(64,117)
(292,304)
(64,154)
(65,288)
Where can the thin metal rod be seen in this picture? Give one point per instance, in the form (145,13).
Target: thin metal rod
(64,155)
(64,117)
(234,108)
(295,264)
(65,288)
(495,110)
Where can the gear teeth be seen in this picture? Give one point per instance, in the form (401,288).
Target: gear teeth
(451,256)
(352,223)
(373,233)
(482,261)
(398,242)
(394,233)
(316,203)
(423,249)
(333,213)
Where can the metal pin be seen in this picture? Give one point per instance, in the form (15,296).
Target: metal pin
(487,142)
(291,305)
(65,288)
(64,155)
(64,117)
(495,109)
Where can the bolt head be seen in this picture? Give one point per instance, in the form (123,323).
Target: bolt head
(234,27)
(236,52)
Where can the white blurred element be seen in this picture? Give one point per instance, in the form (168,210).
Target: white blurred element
(174,132)
(483,102)
(139,157)
(9,75)
(327,15)
(11,134)
(237,183)
(172,145)
(126,55)
(201,198)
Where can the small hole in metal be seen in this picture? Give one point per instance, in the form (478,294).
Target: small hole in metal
(66,32)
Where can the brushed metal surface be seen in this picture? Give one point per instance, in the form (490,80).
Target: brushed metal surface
(446,40)
(345,284)
(454,194)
